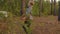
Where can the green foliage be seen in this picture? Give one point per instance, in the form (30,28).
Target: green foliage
(1,15)
(26,26)
(46,9)
(14,7)
(35,10)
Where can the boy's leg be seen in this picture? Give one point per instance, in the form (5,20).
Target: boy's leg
(31,17)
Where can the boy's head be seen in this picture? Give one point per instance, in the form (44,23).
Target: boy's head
(31,3)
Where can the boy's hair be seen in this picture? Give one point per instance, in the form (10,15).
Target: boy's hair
(31,3)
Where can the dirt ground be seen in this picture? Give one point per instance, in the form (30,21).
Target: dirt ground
(40,25)
(46,25)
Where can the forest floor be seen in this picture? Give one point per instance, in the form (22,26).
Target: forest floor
(46,25)
(40,25)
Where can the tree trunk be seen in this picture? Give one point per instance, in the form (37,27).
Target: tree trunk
(22,7)
(54,13)
(41,7)
(59,12)
(51,6)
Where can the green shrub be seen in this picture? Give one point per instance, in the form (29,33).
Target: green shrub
(2,15)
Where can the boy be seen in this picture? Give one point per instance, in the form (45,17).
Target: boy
(29,8)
